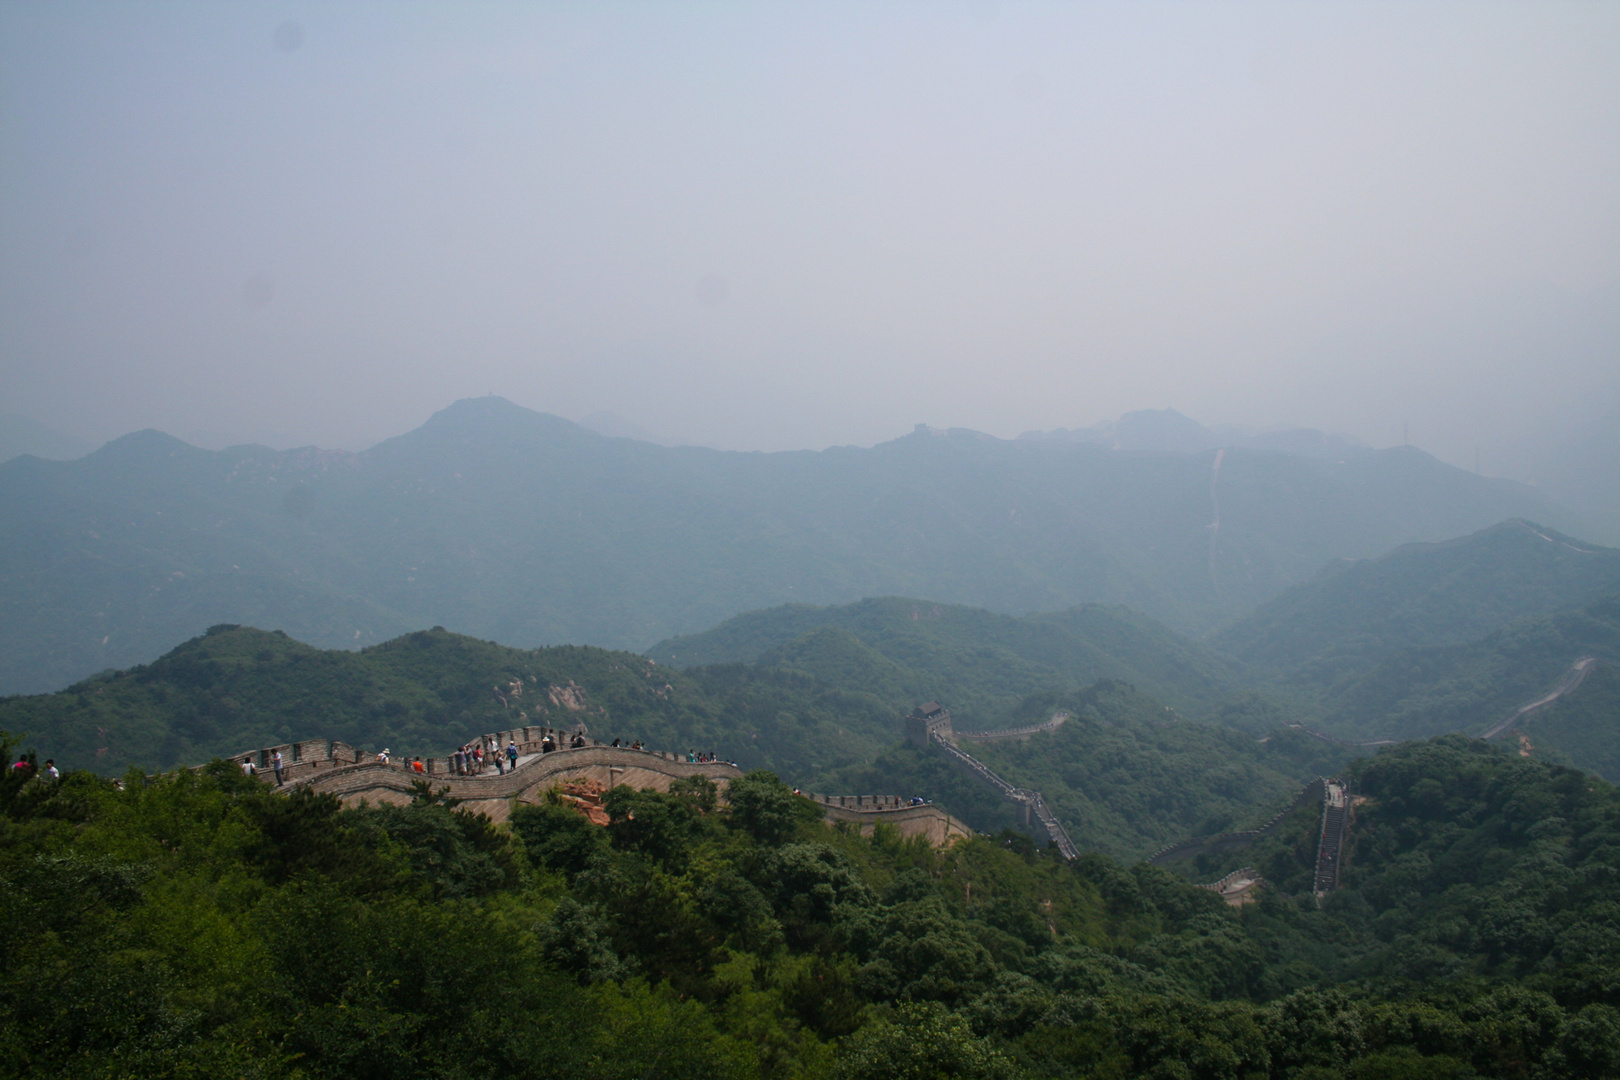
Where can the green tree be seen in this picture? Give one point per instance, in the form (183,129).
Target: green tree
(923,1041)
(767,809)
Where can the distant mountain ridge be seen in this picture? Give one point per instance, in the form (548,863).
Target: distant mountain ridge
(523,527)
(1167,431)
(23,435)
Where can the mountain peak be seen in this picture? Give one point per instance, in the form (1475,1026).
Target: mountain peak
(480,412)
(485,421)
(1162,430)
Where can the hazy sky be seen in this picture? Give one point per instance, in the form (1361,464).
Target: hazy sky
(781,225)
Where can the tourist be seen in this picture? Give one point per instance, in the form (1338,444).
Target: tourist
(50,770)
(276,764)
(512,754)
(416,766)
(247,767)
(546,745)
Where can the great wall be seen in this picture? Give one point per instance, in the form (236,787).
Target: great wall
(339,769)
(929,727)
(336,768)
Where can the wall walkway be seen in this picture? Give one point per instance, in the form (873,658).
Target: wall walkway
(335,768)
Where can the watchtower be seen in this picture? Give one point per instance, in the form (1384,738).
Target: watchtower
(927,720)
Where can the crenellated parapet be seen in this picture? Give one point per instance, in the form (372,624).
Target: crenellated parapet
(907,818)
(310,757)
(1017,734)
(495,793)
(337,769)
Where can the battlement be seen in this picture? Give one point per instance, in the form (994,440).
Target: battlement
(309,757)
(866,812)
(336,768)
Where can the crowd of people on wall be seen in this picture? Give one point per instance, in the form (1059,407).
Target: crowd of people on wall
(473,758)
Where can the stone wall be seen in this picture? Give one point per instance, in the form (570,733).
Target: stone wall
(495,794)
(867,811)
(1018,734)
(338,769)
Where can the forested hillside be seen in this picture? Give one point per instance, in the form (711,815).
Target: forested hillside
(1581,729)
(237,688)
(200,924)
(524,528)
(1465,861)
(1356,614)
(981,662)
(828,721)
(1445,637)
(1470,687)
(1125,774)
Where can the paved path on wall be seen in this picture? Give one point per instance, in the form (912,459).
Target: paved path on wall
(1345,742)
(1330,845)
(1031,799)
(533,769)
(1053,724)
(1567,682)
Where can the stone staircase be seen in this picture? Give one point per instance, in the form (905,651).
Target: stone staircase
(1330,846)
(1030,803)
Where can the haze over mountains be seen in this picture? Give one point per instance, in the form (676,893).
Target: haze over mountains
(505,523)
